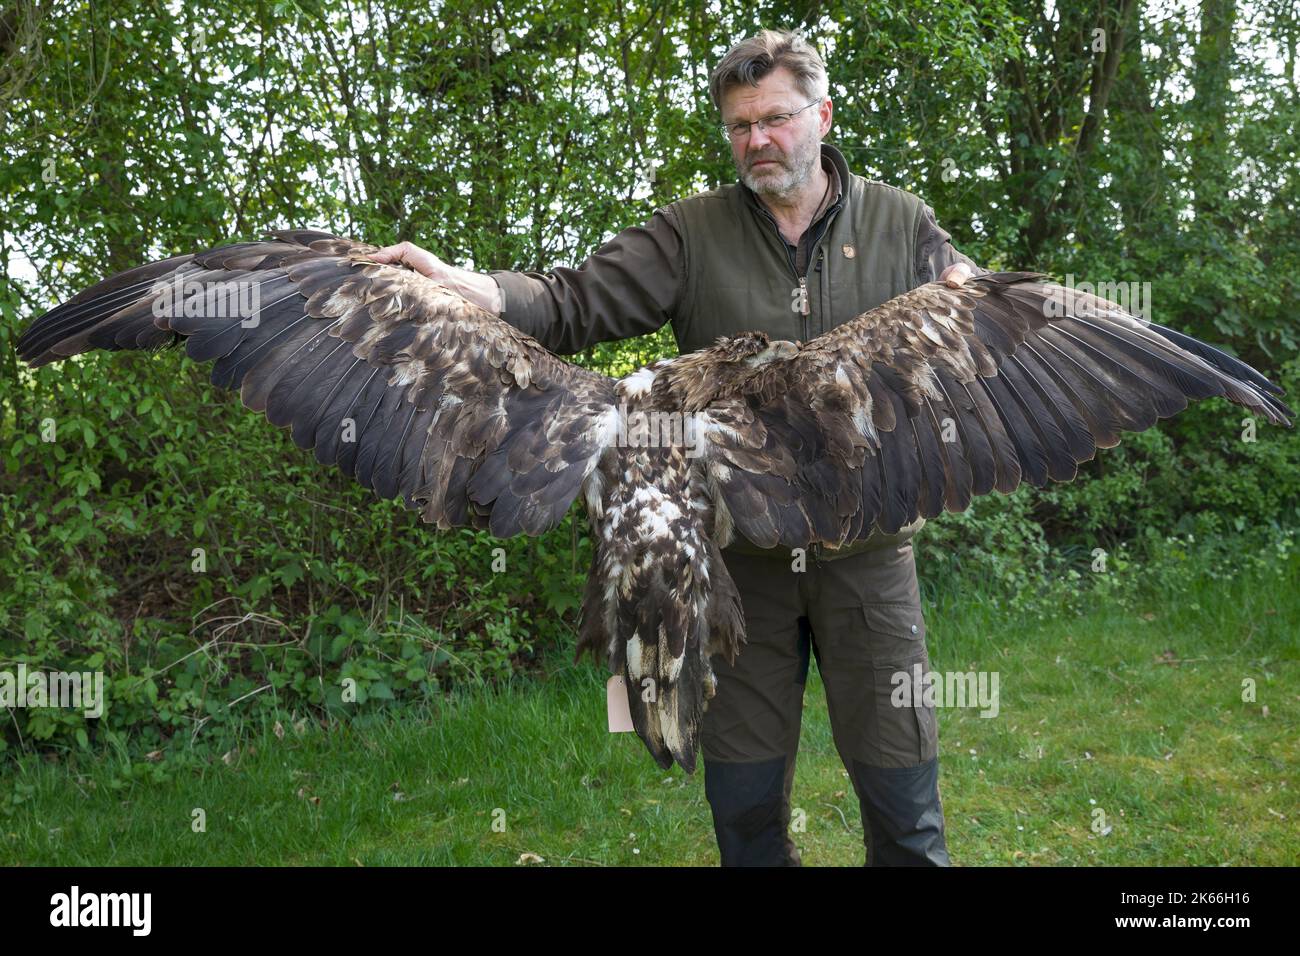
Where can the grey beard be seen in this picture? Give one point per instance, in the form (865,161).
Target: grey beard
(790,183)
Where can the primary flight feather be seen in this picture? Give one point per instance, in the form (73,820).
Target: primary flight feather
(910,409)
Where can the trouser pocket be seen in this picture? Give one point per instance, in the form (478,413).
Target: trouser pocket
(907,730)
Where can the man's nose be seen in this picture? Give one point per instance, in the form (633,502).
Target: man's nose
(758,137)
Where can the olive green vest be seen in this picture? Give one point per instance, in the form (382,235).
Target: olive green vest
(740,276)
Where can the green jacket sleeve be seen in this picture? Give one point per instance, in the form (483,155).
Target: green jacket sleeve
(935,251)
(631,285)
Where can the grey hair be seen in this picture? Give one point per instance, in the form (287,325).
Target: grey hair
(750,60)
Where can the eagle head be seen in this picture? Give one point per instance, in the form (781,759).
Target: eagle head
(751,349)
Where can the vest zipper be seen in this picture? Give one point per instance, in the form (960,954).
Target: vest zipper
(805,308)
(816,246)
(826,289)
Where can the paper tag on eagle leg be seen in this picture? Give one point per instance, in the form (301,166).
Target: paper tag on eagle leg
(620,718)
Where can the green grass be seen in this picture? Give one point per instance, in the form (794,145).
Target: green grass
(1135,713)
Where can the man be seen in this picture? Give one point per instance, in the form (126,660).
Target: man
(801,246)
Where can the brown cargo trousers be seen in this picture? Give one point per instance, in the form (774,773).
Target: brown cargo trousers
(861,616)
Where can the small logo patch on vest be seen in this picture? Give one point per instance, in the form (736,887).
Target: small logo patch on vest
(849,251)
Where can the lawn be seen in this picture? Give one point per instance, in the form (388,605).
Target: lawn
(1122,739)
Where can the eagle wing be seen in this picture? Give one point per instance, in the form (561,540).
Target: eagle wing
(403,384)
(942,394)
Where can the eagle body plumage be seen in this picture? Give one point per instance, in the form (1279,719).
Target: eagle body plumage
(909,410)
(650,602)
(659,601)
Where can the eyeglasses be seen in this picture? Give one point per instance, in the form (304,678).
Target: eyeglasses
(775,121)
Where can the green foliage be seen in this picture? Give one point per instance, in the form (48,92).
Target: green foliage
(212,587)
(522,138)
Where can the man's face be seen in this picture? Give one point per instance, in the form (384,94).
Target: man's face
(776,163)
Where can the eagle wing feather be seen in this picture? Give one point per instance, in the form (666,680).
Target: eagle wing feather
(403,384)
(942,394)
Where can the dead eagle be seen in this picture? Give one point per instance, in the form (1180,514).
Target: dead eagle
(912,408)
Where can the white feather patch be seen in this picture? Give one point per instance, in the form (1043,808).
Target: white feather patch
(634,668)
(862,419)
(675,669)
(672,733)
(607,428)
(636,385)
(593,490)
(930,382)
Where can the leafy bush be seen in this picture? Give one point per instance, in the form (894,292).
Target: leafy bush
(215,572)
(1187,497)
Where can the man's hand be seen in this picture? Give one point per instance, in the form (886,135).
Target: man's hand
(955,275)
(480,289)
(421,260)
